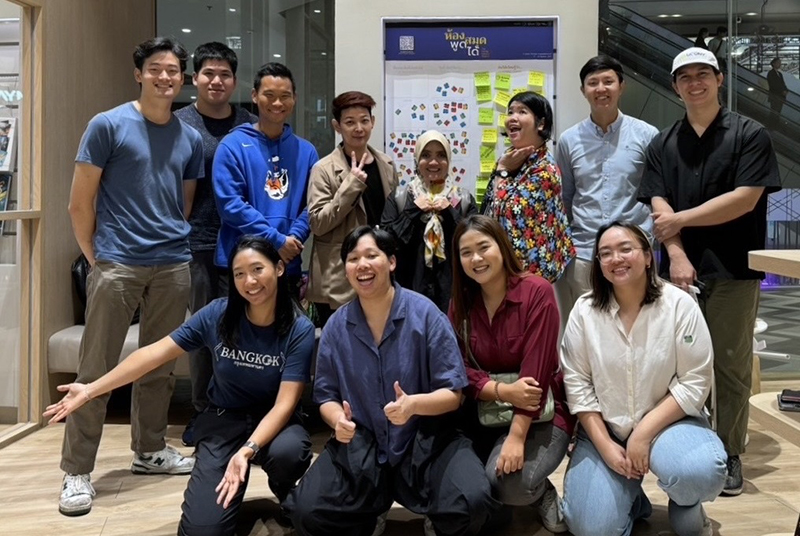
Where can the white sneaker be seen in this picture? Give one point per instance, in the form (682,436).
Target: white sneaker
(427,527)
(167,461)
(549,509)
(76,495)
(380,525)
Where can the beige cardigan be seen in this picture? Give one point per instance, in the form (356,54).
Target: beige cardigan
(335,208)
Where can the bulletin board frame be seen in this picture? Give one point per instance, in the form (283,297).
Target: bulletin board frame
(442,73)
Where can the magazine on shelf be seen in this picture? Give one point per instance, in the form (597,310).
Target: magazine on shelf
(8,128)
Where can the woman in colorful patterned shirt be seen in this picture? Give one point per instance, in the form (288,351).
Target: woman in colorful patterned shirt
(524,194)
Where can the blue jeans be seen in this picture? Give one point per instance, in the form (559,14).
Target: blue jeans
(687,457)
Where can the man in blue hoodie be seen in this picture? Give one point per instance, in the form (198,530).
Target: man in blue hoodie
(260,175)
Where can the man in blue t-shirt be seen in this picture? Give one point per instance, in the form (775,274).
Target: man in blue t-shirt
(134,179)
(260,175)
(213,117)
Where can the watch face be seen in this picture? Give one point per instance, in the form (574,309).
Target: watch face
(503,174)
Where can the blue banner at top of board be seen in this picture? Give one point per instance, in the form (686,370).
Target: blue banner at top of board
(507,40)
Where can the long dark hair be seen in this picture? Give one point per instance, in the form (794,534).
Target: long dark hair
(237,305)
(465,289)
(602,289)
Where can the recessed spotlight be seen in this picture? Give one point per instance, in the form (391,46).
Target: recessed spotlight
(663,16)
(317,11)
(186,30)
(750,89)
(324,53)
(232,9)
(677,15)
(751,14)
(276,55)
(194,98)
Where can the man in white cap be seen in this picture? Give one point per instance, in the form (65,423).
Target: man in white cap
(707,178)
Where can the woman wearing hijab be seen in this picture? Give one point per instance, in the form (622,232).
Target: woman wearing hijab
(423,216)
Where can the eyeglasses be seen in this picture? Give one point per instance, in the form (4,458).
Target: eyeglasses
(625,253)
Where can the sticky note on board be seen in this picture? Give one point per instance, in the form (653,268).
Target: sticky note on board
(501,98)
(487,152)
(483,79)
(486,166)
(485,116)
(536,79)
(518,90)
(482,183)
(502,81)
(501,120)
(484,93)
(489,136)
(539,91)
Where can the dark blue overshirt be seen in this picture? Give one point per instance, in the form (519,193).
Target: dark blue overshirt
(418,349)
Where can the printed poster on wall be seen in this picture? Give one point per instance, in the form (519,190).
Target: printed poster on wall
(457,77)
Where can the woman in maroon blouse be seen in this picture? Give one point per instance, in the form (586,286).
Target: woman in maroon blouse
(510,319)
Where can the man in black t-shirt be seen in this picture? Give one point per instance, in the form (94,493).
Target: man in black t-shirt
(707,178)
(213,117)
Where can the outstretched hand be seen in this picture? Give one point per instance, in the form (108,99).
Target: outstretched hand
(76,396)
(234,476)
(402,409)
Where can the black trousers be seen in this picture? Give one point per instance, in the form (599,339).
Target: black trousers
(219,435)
(347,489)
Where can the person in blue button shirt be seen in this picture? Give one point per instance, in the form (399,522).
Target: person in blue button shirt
(388,370)
(262,351)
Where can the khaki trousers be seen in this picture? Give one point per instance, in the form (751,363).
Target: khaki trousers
(114,291)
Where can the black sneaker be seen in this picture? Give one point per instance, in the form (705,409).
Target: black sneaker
(188,433)
(733,477)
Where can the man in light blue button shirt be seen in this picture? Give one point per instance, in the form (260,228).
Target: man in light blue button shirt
(601,161)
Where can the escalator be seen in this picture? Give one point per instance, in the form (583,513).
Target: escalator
(646,50)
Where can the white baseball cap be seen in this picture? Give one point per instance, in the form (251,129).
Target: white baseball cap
(694,55)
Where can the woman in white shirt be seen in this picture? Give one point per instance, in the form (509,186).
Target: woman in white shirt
(637,360)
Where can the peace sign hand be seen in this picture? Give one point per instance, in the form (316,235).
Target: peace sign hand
(358,170)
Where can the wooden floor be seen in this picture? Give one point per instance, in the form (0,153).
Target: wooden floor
(150,505)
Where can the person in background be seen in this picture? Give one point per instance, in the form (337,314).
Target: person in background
(700,40)
(348,188)
(707,179)
(388,371)
(135,176)
(637,359)
(253,414)
(260,175)
(719,47)
(507,320)
(601,160)
(213,117)
(524,193)
(777,92)
(423,217)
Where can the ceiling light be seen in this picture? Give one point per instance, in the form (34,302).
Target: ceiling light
(750,89)
(317,11)
(232,9)
(677,15)
(663,16)
(194,98)
(276,55)
(186,30)
(324,53)
(751,14)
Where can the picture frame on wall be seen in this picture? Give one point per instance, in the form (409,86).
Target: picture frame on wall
(8,128)
(5,193)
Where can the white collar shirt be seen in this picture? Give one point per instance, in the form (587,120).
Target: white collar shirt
(625,375)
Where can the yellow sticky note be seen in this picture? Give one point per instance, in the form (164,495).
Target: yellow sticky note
(485,116)
(502,98)
(506,141)
(483,80)
(487,166)
(539,91)
(536,79)
(481,183)
(502,81)
(489,136)
(517,90)
(487,152)
(484,93)
(501,120)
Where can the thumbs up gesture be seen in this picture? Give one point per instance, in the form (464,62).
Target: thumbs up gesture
(402,409)
(345,427)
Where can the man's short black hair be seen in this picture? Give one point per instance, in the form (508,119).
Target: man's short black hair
(214,51)
(601,63)
(278,70)
(156,45)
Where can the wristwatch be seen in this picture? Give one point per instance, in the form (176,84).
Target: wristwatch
(503,173)
(252,445)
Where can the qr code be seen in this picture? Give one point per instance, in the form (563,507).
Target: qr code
(407,42)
